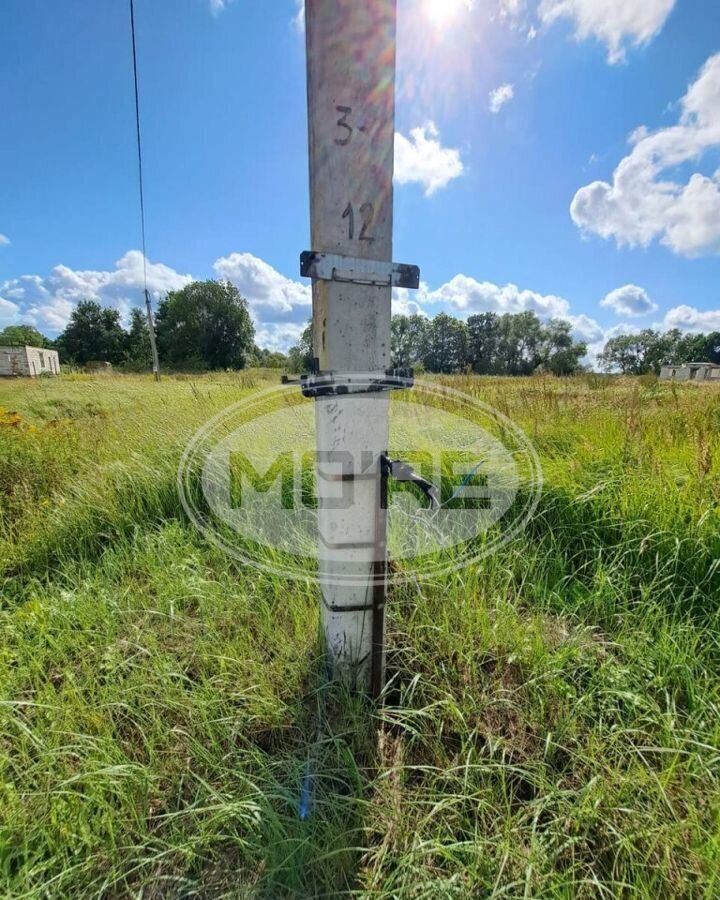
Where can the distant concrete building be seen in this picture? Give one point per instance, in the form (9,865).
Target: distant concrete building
(697,371)
(30,361)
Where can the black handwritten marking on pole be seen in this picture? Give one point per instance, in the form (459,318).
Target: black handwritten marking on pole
(343,123)
(350,215)
(367,211)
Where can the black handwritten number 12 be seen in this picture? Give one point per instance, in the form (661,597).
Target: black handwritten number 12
(367,213)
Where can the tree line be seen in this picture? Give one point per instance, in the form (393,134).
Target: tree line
(647,351)
(520,344)
(207,326)
(204,326)
(487,343)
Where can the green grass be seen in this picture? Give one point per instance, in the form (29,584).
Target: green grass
(551,727)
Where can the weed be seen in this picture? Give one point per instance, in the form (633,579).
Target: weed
(551,719)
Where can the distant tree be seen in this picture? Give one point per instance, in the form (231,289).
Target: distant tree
(693,348)
(559,352)
(22,335)
(648,351)
(520,338)
(637,354)
(483,338)
(620,354)
(672,346)
(675,348)
(262,358)
(93,333)
(712,347)
(301,355)
(444,344)
(406,337)
(205,325)
(138,349)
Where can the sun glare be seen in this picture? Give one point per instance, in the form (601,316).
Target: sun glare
(443,12)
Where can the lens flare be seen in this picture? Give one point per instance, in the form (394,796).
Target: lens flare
(441,13)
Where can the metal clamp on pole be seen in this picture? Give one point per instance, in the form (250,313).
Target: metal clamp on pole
(328,384)
(349,269)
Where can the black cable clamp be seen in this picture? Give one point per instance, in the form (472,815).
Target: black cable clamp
(329,384)
(402,471)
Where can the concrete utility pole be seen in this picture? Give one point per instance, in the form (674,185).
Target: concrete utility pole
(351,109)
(153,343)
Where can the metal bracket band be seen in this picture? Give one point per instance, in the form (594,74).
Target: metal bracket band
(327,384)
(360,476)
(351,270)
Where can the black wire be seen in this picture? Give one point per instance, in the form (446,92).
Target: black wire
(139,144)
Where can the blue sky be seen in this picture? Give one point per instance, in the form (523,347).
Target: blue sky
(555,155)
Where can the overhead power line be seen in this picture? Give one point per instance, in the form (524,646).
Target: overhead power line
(148,305)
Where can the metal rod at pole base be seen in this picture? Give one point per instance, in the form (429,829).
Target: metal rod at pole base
(377,668)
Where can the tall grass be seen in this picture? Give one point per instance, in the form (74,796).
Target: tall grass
(551,720)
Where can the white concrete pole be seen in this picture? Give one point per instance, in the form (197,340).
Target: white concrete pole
(351,105)
(151,330)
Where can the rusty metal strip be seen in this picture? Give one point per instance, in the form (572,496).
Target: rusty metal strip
(351,270)
(361,607)
(360,476)
(379,587)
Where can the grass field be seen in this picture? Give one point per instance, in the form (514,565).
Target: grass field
(552,728)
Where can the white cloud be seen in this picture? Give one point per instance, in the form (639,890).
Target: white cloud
(688,318)
(4,240)
(468,296)
(500,96)
(218,6)
(637,135)
(278,335)
(53,315)
(48,301)
(298,19)
(514,14)
(423,160)
(404,304)
(584,328)
(629,300)
(8,312)
(639,207)
(615,23)
(261,285)
(622,328)
(510,9)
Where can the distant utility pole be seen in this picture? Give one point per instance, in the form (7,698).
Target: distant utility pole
(351,109)
(153,342)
